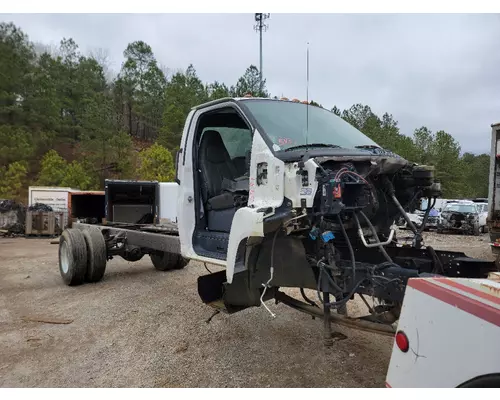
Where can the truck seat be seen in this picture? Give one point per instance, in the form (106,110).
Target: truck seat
(217,167)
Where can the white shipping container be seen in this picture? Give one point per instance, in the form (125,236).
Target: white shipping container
(55,197)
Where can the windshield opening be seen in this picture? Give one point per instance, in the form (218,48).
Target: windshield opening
(285,123)
(462,208)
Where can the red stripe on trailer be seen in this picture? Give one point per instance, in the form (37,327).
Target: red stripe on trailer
(464,303)
(468,289)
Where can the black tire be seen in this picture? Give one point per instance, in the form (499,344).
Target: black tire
(485,381)
(96,255)
(72,257)
(164,261)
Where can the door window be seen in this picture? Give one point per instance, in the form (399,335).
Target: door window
(237,141)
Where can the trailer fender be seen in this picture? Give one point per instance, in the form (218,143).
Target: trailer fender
(247,222)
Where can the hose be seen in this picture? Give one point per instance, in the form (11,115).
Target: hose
(392,193)
(345,299)
(307,300)
(374,232)
(271,270)
(437,261)
(349,245)
(332,282)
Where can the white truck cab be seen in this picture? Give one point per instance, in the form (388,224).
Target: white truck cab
(283,195)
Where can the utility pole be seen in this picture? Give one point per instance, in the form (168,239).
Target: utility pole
(260,26)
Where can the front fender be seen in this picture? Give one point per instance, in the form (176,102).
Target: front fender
(247,222)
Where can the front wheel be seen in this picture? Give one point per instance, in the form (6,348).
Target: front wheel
(164,261)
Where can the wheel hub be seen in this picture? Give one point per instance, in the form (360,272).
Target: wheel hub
(64,257)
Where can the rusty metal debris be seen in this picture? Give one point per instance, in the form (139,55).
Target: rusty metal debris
(12,217)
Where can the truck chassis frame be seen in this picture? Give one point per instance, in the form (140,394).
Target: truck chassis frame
(133,241)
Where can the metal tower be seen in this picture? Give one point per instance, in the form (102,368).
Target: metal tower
(260,26)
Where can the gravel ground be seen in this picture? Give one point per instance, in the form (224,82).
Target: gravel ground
(142,328)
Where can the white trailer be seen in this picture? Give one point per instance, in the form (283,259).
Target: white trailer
(494,193)
(448,334)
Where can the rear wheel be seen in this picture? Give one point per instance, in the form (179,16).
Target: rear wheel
(72,257)
(164,261)
(96,255)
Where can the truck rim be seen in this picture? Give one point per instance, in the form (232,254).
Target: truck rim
(64,257)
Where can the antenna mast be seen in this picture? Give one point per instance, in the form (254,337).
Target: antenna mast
(307,96)
(260,26)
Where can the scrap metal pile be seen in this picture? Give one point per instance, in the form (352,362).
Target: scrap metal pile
(13,216)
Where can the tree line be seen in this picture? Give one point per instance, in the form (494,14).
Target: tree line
(65,122)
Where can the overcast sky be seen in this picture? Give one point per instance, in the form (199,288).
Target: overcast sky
(440,71)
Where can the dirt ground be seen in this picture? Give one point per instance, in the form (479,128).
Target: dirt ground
(142,328)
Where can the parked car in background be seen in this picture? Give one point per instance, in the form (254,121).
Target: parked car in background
(416,218)
(461,216)
(433,219)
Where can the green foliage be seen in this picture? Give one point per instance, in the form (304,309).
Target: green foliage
(75,176)
(249,83)
(57,172)
(475,170)
(53,169)
(16,55)
(15,144)
(465,176)
(336,111)
(184,91)
(105,148)
(12,179)
(424,145)
(217,90)
(140,87)
(156,163)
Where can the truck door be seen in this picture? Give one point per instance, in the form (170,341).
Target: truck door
(266,193)
(214,179)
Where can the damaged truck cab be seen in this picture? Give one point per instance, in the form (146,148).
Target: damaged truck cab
(286,195)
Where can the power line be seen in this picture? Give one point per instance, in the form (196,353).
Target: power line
(260,27)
